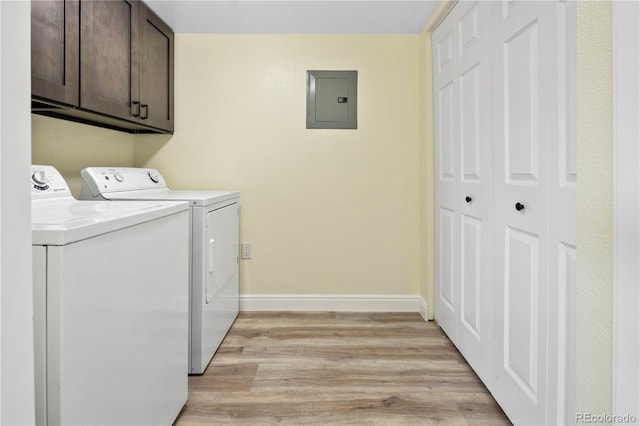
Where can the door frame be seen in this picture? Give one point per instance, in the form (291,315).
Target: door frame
(626,209)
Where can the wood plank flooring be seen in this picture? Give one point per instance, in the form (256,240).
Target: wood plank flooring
(331,368)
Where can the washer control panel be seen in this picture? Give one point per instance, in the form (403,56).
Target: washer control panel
(101,180)
(47,182)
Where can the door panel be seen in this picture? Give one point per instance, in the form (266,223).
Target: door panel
(444,49)
(55,50)
(525,115)
(446,153)
(447,265)
(446,136)
(562,179)
(156,75)
(463,184)
(521,104)
(468,31)
(470,137)
(521,310)
(475,186)
(222,255)
(222,281)
(108,43)
(471,276)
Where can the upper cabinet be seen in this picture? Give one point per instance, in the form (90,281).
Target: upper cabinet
(55,44)
(124,77)
(156,70)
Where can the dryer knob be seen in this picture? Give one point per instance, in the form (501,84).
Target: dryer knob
(118,176)
(40,178)
(155,177)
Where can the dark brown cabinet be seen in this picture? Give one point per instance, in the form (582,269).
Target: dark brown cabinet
(125,68)
(156,70)
(55,45)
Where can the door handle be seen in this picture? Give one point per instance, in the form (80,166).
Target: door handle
(210,257)
(468,199)
(135,108)
(519,206)
(146,111)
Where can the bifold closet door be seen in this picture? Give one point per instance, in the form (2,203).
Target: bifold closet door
(446,151)
(505,168)
(463,188)
(534,191)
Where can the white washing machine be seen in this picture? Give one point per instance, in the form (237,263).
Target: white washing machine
(111,304)
(215,218)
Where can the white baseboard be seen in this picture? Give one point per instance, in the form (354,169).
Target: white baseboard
(423,308)
(338,303)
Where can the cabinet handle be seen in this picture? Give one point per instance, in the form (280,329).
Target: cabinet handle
(468,199)
(146,111)
(519,206)
(135,108)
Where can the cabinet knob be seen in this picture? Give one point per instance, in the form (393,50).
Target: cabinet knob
(146,111)
(468,199)
(519,206)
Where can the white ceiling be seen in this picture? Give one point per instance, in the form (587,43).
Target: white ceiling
(295,16)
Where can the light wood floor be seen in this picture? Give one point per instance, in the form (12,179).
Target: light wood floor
(338,368)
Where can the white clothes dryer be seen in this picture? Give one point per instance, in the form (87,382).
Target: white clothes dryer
(214,249)
(110,296)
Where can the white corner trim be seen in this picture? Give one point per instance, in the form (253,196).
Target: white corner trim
(626,210)
(338,303)
(441,11)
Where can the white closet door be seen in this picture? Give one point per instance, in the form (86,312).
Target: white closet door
(463,189)
(562,215)
(474,196)
(525,122)
(447,176)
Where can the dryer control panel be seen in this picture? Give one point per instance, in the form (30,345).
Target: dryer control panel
(102,180)
(47,182)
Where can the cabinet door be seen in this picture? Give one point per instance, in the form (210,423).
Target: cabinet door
(55,50)
(156,71)
(109,68)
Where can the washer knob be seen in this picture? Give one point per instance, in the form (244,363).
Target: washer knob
(40,178)
(154,176)
(118,176)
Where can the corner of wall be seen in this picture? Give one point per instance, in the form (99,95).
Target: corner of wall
(426,173)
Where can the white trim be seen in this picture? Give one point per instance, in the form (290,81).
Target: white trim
(16,302)
(626,210)
(423,308)
(338,303)
(441,11)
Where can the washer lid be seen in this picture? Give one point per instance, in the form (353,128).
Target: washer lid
(66,220)
(195,198)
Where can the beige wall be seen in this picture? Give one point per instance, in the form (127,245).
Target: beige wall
(70,147)
(595,209)
(327,211)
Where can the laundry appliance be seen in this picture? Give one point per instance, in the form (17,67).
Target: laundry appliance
(110,307)
(214,248)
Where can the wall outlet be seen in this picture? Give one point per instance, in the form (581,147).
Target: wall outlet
(245,251)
